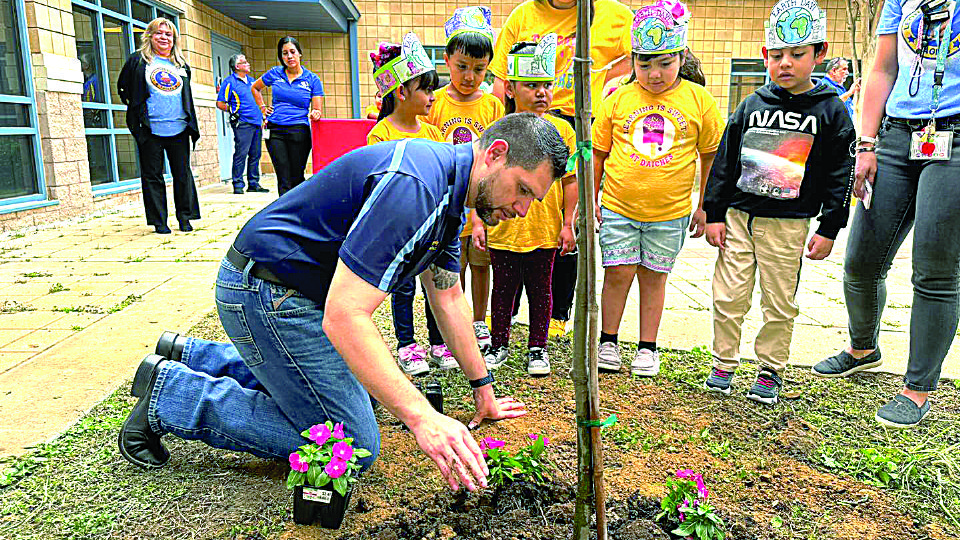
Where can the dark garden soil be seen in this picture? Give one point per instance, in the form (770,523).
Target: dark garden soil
(806,468)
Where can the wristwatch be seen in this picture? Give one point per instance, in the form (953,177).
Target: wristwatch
(482,381)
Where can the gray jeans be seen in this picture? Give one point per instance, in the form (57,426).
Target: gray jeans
(924,195)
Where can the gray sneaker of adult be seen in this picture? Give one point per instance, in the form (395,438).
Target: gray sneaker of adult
(646,363)
(608,357)
(901,412)
(538,362)
(719,381)
(496,357)
(844,364)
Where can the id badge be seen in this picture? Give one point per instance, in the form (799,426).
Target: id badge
(266,133)
(936,146)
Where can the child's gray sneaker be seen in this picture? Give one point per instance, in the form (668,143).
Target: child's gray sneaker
(766,389)
(608,357)
(901,412)
(646,363)
(538,362)
(483,335)
(719,381)
(843,364)
(496,357)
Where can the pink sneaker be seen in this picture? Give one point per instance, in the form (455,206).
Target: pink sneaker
(413,359)
(443,357)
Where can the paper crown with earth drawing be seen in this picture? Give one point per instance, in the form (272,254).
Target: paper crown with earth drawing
(660,28)
(412,62)
(794,23)
(540,65)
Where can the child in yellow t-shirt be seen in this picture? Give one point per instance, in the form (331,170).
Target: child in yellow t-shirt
(407,95)
(461,111)
(523,250)
(373,110)
(646,140)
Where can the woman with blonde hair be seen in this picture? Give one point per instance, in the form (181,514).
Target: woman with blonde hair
(154,84)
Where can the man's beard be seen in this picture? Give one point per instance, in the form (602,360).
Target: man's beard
(482,205)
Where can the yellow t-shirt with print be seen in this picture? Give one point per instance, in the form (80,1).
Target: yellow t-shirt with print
(371,109)
(653,141)
(463,122)
(609,42)
(540,228)
(386,131)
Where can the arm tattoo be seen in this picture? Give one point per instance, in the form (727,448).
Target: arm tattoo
(443,279)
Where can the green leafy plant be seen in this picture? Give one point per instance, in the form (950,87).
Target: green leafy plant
(331,457)
(686,503)
(526,464)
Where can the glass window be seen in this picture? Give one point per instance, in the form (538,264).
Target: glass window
(20,174)
(11,57)
(88,52)
(116,40)
(14,115)
(141,11)
(95,118)
(98,152)
(167,16)
(746,76)
(128,162)
(120,6)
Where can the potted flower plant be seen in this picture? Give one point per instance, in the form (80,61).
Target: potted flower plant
(321,475)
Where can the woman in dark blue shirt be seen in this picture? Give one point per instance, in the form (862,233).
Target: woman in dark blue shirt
(297,99)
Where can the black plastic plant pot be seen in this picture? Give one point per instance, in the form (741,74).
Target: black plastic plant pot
(323,505)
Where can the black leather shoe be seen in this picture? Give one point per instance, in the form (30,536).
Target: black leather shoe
(170,345)
(185,226)
(162,229)
(238,191)
(258,189)
(137,441)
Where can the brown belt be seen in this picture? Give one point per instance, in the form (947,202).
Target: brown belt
(259,271)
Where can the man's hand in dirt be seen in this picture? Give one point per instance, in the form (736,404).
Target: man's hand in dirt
(451,446)
(490,407)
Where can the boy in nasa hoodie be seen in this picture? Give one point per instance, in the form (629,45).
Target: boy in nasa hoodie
(784,159)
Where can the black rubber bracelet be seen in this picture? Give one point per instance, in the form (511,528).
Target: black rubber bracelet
(483,381)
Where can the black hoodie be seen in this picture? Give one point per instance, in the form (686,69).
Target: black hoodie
(772,141)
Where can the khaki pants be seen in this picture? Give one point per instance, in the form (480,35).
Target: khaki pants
(774,246)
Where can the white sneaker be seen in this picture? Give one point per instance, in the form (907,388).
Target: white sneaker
(646,363)
(443,357)
(496,357)
(483,335)
(413,359)
(608,357)
(538,362)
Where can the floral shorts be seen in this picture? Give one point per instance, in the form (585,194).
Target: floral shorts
(653,245)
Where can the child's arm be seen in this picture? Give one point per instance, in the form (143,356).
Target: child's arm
(698,221)
(599,158)
(568,238)
(478,233)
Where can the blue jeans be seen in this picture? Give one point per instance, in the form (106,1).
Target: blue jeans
(401,306)
(280,376)
(247,148)
(922,195)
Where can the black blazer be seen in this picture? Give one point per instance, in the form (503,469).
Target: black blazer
(132,87)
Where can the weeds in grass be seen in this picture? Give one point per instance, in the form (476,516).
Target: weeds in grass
(12,306)
(36,274)
(57,287)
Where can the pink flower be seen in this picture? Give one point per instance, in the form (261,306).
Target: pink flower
(335,468)
(492,443)
(685,474)
(297,464)
(342,451)
(546,441)
(320,434)
(533,436)
(338,431)
(701,488)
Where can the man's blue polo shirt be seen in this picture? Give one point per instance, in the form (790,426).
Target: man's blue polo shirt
(235,92)
(840,91)
(388,211)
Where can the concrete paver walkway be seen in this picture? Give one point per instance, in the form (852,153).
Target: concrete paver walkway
(81,303)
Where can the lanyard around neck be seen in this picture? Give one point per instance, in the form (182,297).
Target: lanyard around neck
(938,73)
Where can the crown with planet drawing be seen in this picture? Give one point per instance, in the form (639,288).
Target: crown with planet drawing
(660,28)
(539,65)
(474,19)
(411,62)
(795,23)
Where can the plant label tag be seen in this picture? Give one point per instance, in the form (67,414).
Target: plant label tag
(317,495)
(935,146)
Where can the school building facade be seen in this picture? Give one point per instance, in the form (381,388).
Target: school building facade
(64,147)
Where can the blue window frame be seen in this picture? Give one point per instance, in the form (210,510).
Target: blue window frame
(22,179)
(107,32)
